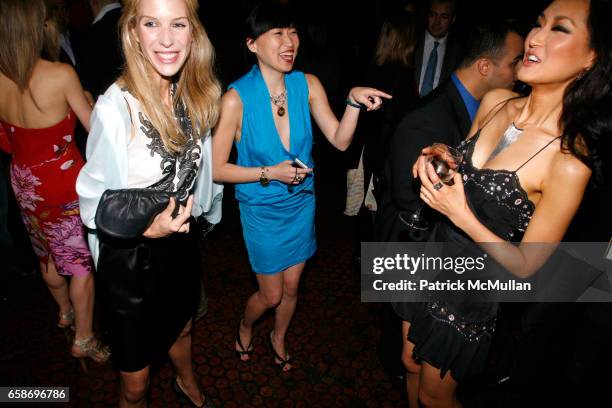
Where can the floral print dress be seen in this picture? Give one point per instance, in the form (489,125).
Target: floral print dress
(44,168)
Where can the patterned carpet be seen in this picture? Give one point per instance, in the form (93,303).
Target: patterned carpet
(333,339)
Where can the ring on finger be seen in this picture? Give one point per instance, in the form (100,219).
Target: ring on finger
(299,179)
(438,186)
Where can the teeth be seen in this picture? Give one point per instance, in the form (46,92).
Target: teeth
(533,58)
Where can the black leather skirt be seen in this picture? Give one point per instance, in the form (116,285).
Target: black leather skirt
(149,289)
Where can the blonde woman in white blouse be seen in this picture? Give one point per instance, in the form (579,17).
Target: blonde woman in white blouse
(151,130)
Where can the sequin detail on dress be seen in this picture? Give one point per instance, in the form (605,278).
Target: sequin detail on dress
(499,186)
(472,331)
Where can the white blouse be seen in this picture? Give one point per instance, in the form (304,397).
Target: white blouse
(114,161)
(148,160)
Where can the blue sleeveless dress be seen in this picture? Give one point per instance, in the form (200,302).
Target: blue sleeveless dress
(277,224)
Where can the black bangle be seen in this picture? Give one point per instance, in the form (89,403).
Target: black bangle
(354,104)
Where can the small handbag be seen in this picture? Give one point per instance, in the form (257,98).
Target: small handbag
(127,213)
(354,189)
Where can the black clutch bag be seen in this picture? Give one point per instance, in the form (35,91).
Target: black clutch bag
(127,213)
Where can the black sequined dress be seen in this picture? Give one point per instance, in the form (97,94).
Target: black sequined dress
(454,332)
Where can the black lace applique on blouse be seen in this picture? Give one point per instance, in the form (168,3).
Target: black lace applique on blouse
(179,172)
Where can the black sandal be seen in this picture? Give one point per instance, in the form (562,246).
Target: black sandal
(243,352)
(186,399)
(282,362)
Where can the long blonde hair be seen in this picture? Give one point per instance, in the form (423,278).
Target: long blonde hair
(21,30)
(197,85)
(397,40)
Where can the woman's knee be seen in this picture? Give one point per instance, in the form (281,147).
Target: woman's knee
(290,290)
(436,392)
(428,398)
(412,367)
(271,298)
(135,391)
(82,285)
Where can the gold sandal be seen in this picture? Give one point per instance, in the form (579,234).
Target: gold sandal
(90,348)
(66,320)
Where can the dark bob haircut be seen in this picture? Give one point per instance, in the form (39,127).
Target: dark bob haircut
(268,15)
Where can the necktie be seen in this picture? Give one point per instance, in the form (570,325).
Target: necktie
(430,71)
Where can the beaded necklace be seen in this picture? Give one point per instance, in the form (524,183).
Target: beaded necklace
(279,101)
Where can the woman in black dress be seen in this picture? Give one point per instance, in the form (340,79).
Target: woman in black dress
(526,191)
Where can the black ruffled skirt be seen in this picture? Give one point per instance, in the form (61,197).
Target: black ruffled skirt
(149,289)
(445,340)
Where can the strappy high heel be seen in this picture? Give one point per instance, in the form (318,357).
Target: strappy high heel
(90,348)
(186,399)
(66,320)
(278,360)
(248,351)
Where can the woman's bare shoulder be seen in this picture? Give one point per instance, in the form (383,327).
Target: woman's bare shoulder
(54,76)
(565,165)
(497,97)
(56,68)
(496,100)
(563,169)
(231,103)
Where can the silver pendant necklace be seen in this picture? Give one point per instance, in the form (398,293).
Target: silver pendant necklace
(510,136)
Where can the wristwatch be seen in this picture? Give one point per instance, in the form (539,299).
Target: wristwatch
(263,180)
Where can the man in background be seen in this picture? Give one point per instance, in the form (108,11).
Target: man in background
(492,52)
(98,52)
(438,52)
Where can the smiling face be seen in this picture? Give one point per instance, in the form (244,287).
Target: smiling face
(557,48)
(276,48)
(440,18)
(164,34)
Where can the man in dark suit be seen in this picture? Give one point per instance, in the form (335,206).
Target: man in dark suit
(444,116)
(98,50)
(438,52)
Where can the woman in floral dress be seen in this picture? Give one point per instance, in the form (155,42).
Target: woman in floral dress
(40,102)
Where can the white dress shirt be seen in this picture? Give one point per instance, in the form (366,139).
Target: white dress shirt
(428,46)
(105,10)
(67,47)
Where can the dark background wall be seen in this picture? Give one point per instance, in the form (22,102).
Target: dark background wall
(350,26)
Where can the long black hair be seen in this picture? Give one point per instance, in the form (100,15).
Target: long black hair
(586,119)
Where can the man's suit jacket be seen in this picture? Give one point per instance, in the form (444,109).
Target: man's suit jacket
(452,58)
(440,117)
(98,53)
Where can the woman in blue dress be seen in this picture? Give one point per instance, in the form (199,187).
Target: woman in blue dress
(266,113)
